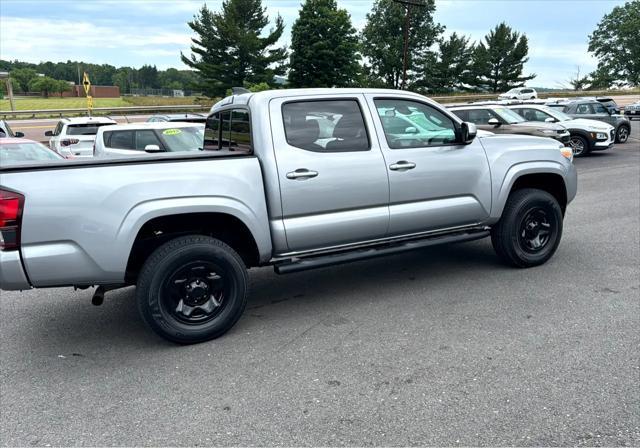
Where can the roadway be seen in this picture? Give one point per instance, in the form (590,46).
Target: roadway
(444,346)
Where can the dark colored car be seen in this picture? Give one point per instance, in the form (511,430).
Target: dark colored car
(5,130)
(632,110)
(609,103)
(184,118)
(595,110)
(20,150)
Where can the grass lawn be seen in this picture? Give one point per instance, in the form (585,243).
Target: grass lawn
(28,103)
(31,103)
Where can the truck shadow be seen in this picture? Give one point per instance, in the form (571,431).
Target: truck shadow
(116,323)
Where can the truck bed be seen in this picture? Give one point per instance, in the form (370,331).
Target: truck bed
(81,217)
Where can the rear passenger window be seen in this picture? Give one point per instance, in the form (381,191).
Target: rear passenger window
(229,130)
(600,109)
(325,126)
(584,109)
(120,139)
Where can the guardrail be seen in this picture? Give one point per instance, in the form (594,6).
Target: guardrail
(104,110)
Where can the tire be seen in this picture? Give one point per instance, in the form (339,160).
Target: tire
(579,145)
(526,212)
(622,134)
(192,289)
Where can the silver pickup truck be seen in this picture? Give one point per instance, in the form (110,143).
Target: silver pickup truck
(296,179)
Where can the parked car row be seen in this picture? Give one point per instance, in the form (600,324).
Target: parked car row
(82,137)
(590,124)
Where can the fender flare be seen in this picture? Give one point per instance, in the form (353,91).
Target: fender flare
(501,194)
(143,212)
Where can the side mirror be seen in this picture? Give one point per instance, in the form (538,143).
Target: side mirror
(494,122)
(550,120)
(18,134)
(411,130)
(152,148)
(469,132)
(48,134)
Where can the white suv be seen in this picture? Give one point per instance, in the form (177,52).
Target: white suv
(136,139)
(586,135)
(519,93)
(74,137)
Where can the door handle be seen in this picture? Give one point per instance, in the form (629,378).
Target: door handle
(302,173)
(402,165)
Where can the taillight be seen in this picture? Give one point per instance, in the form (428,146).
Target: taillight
(69,141)
(11,205)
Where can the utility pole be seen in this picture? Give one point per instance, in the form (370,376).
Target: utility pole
(405,50)
(7,79)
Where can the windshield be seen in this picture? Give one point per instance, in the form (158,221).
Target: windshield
(556,113)
(514,91)
(25,152)
(508,115)
(85,129)
(183,139)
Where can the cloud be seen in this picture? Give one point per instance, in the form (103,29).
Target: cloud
(36,39)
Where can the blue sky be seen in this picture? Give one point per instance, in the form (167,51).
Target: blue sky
(137,32)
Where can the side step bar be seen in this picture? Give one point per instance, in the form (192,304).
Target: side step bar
(321,261)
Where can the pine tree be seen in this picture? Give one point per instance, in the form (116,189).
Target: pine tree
(324,47)
(499,60)
(230,50)
(383,40)
(449,69)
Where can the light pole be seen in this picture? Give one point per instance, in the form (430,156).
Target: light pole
(407,4)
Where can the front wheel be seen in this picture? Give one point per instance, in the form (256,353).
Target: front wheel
(579,145)
(622,135)
(192,289)
(529,230)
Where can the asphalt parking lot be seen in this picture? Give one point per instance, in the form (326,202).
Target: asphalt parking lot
(437,347)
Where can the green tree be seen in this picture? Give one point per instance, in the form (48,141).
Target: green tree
(383,40)
(324,47)
(44,85)
(449,69)
(230,47)
(499,60)
(62,86)
(616,42)
(601,78)
(148,77)
(23,77)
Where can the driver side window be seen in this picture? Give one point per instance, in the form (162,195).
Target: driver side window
(410,124)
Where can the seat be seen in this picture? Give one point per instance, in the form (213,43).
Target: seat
(304,134)
(349,134)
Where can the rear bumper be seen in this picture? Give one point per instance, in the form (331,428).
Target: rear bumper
(12,275)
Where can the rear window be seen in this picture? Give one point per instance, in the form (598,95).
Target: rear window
(228,130)
(85,129)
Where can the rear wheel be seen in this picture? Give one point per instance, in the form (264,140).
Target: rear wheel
(579,145)
(192,289)
(622,135)
(529,230)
